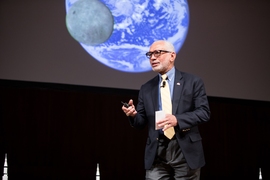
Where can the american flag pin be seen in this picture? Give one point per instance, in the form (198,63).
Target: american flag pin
(178,84)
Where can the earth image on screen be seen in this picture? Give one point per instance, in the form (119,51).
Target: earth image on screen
(137,24)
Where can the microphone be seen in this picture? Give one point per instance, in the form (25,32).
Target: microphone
(163,84)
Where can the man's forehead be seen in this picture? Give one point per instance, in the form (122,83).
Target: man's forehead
(157,46)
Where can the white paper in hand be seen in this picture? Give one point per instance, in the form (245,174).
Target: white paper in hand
(159,115)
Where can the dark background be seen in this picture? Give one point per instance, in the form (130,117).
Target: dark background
(60,110)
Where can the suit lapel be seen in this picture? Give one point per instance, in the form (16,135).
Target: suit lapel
(154,92)
(177,91)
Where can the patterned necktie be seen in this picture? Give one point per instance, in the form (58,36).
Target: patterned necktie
(166,103)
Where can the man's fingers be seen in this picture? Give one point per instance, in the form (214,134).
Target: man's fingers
(130,102)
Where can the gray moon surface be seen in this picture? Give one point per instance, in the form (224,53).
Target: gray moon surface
(89,22)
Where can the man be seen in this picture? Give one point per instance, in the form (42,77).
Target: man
(180,156)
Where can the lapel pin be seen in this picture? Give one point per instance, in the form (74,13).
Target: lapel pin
(178,84)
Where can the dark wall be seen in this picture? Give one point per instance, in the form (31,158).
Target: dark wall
(56,131)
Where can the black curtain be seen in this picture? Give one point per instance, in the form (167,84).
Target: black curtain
(237,139)
(54,131)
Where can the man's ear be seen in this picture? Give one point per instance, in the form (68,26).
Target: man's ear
(173,56)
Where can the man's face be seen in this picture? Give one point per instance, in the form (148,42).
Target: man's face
(161,61)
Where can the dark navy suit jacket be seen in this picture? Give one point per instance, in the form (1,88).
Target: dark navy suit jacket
(189,106)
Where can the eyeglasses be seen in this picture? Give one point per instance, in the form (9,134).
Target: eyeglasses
(156,53)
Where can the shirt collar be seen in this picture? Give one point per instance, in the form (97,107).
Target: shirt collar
(170,74)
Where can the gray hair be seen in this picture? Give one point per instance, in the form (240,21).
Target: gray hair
(168,45)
